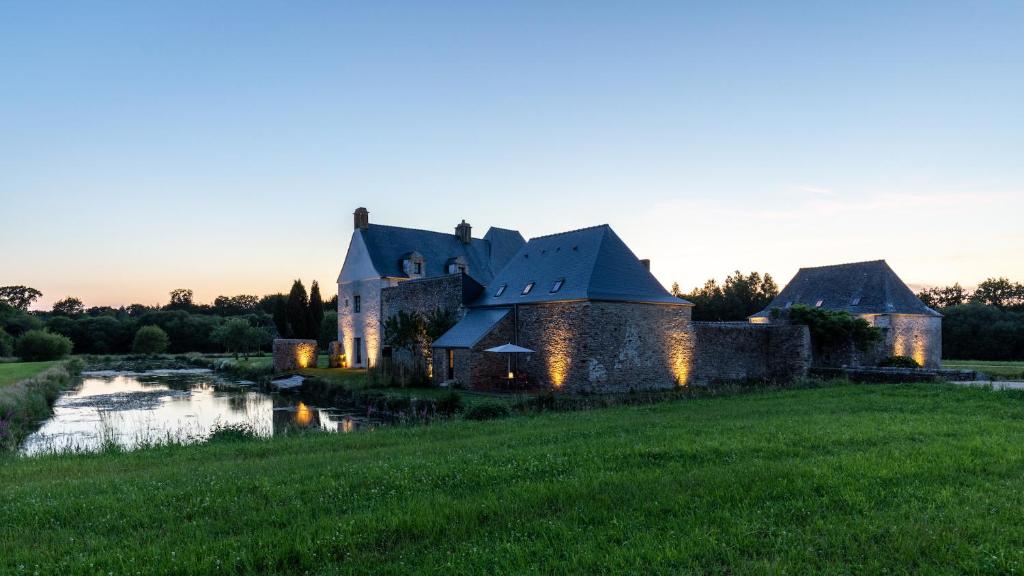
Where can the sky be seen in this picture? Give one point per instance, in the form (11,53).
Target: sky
(222,146)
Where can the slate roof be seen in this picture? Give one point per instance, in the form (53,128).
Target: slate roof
(388,245)
(857,288)
(592,263)
(474,325)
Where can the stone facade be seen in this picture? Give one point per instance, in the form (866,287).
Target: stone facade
(294,354)
(583,346)
(362,326)
(617,347)
(739,351)
(915,336)
(428,294)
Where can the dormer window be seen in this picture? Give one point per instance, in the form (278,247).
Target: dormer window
(413,264)
(456,265)
(501,290)
(557,285)
(528,288)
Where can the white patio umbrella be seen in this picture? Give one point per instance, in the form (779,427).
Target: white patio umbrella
(509,349)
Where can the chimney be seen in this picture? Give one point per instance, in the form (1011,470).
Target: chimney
(646,262)
(362,218)
(464,232)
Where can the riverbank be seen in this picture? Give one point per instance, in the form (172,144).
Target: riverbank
(26,401)
(849,478)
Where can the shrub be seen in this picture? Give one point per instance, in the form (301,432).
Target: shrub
(39,345)
(899,362)
(150,340)
(450,403)
(232,432)
(487,412)
(831,328)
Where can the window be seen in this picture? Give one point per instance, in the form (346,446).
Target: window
(501,290)
(451,364)
(557,285)
(357,304)
(855,301)
(417,267)
(819,303)
(528,288)
(358,345)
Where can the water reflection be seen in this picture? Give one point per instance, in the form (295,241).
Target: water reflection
(138,409)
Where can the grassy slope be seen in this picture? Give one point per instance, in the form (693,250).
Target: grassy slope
(11,372)
(913,477)
(1000,369)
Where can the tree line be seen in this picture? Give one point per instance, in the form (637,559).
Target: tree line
(986,323)
(240,323)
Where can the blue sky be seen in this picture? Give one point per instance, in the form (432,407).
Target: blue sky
(146,146)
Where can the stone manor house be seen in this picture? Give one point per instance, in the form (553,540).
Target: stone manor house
(591,313)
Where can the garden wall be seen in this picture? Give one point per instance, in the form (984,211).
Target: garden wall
(740,351)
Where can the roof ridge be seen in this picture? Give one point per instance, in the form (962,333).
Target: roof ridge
(422,230)
(882,260)
(570,231)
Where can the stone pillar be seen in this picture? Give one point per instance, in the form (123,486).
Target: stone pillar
(335,355)
(293,354)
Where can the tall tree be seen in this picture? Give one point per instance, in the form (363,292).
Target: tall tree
(69,306)
(999,292)
(20,297)
(181,299)
(316,310)
(298,311)
(736,299)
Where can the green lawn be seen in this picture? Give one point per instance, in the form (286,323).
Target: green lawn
(998,369)
(847,479)
(11,372)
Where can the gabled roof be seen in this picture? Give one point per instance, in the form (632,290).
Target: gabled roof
(857,288)
(474,325)
(592,263)
(388,245)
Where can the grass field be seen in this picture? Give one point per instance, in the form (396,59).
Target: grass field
(841,479)
(998,369)
(11,372)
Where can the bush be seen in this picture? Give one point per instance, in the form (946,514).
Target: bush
(450,403)
(832,328)
(487,412)
(150,340)
(232,432)
(899,362)
(39,345)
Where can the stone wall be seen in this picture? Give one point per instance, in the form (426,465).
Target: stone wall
(294,354)
(606,346)
(916,336)
(739,351)
(599,347)
(424,295)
